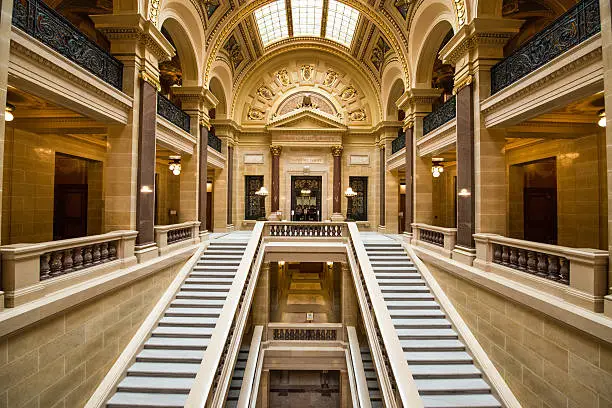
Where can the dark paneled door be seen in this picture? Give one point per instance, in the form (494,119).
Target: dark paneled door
(540,206)
(70,211)
(306,198)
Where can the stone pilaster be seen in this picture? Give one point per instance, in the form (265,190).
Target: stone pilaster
(383,184)
(409,174)
(337,195)
(275,152)
(230,185)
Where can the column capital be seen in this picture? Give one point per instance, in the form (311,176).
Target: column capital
(418,100)
(337,151)
(196,100)
(276,150)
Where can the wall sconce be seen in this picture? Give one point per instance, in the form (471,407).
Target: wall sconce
(402,189)
(464,192)
(330,264)
(602,118)
(175,165)
(209,187)
(8,112)
(349,192)
(281,263)
(436,167)
(263,192)
(146,189)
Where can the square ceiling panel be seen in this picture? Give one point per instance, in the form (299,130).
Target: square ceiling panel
(272,22)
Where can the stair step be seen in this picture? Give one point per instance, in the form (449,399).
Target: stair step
(218,268)
(185,343)
(179,331)
(404,289)
(208,273)
(426,333)
(408,296)
(395,269)
(433,345)
(397,275)
(416,313)
(193,311)
(460,401)
(164,369)
(415,304)
(188,321)
(437,357)
(197,303)
(194,294)
(140,399)
(170,385)
(212,280)
(400,281)
(170,356)
(211,288)
(444,371)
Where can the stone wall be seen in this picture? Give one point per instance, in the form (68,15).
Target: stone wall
(60,361)
(168,195)
(545,363)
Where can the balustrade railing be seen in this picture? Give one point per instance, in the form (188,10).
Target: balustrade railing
(305,332)
(307,230)
(575,26)
(26,266)
(55,31)
(559,270)
(166,235)
(169,111)
(398,143)
(214,142)
(444,114)
(441,237)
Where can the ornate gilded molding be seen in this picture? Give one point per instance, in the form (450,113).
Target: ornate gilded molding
(150,79)
(466,81)
(336,151)
(276,150)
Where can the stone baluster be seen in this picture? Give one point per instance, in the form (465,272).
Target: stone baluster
(522,260)
(505,255)
(531,262)
(67,261)
(564,271)
(496,253)
(96,254)
(56,263)
(514,257)
(77,258)
(542,268)
(45,267)
(553,267)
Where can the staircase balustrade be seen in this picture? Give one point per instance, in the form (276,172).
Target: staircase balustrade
(442,239)
(25,266)
(174,234)
(306,229)
(547,267)
(305,331)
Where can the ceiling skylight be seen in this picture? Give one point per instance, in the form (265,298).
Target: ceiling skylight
(307,15)
(304,18)
(341,22)
(272,22)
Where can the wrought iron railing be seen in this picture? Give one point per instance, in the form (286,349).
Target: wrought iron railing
(444,114)
(52,29)
(575,26)
(167,110)
(214,142)
(398,143)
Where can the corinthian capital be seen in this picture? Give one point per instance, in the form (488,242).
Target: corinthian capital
(336,151)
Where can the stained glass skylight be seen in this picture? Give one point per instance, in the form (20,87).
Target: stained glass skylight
(341,22)
(307,15)
(272,22)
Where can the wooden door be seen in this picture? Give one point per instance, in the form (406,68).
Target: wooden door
(70,211)
(540,212)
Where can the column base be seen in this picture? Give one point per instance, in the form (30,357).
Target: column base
(146,252)
(337,217)
(204,236)
(464,255)
(407,237)
(382,229)
(608,306)
(230,228)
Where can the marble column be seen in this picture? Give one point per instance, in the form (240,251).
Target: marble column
(337,197)
(275,151)
(203,178)
(382,187)
(145,199)
(466,212)
(409,168)
(230,185)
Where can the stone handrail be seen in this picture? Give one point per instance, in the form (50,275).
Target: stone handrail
(250,378)
(439,239)
(30,271)
(305,331)
(386,350)
(548,267)
(306,229)
(361,383)
(186,233)
(213,378)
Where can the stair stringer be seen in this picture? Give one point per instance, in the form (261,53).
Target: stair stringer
(127,357)
(482,360)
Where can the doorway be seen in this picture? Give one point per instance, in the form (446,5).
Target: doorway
(306,198)
(305,389)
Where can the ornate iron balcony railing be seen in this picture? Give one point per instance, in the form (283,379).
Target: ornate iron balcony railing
(575,26)
(398,143)
(47,26)
(167,110)
(444,114)
(214,142)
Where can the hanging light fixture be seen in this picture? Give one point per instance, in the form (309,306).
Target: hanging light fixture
(263,192)
(349,192)
(436,167)
(602,118)
(8,112)
(175,165)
